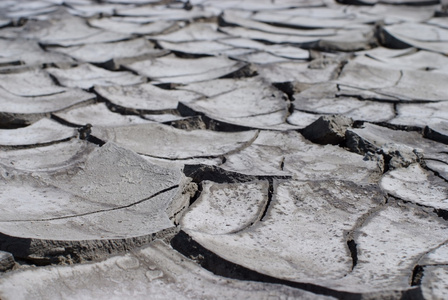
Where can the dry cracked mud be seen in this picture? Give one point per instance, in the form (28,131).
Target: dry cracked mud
(238,149)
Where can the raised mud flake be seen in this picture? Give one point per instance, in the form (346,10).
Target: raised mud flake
(225,208)
(315,162)
(78,209)
(99,115)
(389,245)
(153,13)
(405,85)
(416,185)
(131,26)
(156,270)
(111,53)
(42,132)
(298,71)
(32,83)
(145,97)
(266,155)
(171,69)
(314,214)
(409,146)
(193,32)
(22,53)
(434,282)
(46,158)
(162,141)
(437,131)
(86,76)
(420,115)
(62,30)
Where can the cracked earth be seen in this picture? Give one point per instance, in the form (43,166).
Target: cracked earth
(255,149)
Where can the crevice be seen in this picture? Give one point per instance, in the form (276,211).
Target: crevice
(417,275)
(269,200)
(210,261)
(98,211)
(18,147)
(352,246)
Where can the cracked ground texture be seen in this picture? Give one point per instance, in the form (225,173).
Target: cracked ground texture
(205,149)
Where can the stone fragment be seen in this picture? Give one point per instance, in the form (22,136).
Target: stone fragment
(156,270)
(86,76)
(145,97)
(6,261)
(327,130)
(162,141)
(416,185)
(171,69)
(42,132)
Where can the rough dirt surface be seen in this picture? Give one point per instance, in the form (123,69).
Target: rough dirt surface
(238,149)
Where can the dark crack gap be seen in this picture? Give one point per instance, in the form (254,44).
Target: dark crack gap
(352,246)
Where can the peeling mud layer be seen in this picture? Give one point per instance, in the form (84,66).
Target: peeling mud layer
(238,149)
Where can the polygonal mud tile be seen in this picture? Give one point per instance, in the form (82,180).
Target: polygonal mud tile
(112,53)
(156,270)
(434,282)
(42,132)
(157,13)
(30,83)
(420,115)
(313,18)
(314,214)
(388,244)
(104,202)
(62,30)
(171,69)
(298,71)
(20,53)
(145,97)
(99,115)
(193,32)
(406,85)
(46,158)
(86,76)
(372,137)
(416,185)
(162,141)
(129,26)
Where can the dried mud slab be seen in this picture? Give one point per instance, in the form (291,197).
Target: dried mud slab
(299,212)
(171,69)
(162,141)
(156,270)
(99,115)
(389,244)
(131,26)
(111,53)
(69,206)
(145,97)
(44,131)
(416,185)
(86,76)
